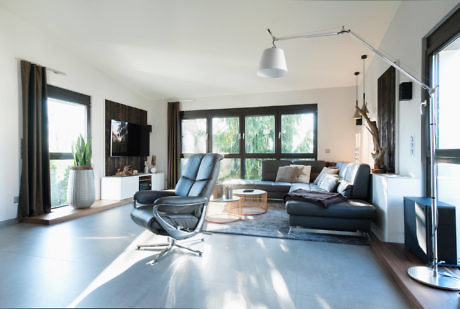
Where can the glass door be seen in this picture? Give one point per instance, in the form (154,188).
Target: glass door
(446,74)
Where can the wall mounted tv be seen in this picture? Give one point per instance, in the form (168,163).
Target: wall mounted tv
(129,139)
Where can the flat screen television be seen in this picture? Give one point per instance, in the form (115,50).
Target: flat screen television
(129,139)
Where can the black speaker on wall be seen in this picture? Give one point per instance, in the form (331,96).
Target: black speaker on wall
(405,91)
(417,230)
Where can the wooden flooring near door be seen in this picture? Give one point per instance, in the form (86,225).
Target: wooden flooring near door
(396,259)
(67,213)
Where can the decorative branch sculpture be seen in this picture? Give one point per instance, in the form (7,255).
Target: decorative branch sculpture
(379,151)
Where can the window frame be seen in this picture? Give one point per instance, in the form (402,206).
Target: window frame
(275,111)
(444,33)
(62,94)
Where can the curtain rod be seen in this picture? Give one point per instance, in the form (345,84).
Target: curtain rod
(47,68)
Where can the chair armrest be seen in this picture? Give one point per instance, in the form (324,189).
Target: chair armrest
(148,197)
(175,208)
(180,204)
(181,200)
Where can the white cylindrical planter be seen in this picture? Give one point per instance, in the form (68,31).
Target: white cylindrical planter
(80,189)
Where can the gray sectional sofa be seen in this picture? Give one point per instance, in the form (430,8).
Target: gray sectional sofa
(354,214)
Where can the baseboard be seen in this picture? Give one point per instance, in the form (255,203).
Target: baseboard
(377,231)
(8,222)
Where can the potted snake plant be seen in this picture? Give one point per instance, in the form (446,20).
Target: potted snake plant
(80,192)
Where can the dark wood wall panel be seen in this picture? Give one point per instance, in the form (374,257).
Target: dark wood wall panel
(386,116)
(117,111)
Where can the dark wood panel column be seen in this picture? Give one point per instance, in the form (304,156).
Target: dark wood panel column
(386,115)
(117,111)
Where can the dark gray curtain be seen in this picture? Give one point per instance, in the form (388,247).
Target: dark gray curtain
(34,193)
(173,144)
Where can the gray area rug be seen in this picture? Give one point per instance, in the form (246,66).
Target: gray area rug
(274,224)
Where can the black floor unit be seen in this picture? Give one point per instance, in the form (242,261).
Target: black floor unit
(417,230)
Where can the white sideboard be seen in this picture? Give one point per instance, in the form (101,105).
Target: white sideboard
(388,192)
(120,188)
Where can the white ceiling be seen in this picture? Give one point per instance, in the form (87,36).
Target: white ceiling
(200,48)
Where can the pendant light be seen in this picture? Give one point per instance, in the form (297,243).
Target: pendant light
(273,61)
(364,108)
(357,115)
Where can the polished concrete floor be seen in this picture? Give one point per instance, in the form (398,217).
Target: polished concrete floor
(92,262)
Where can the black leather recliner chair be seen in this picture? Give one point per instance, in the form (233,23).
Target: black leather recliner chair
(178,214)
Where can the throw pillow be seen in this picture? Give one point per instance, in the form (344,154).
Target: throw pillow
(325,171)
(345,188)
(287,174)
(304,175)
(329,183)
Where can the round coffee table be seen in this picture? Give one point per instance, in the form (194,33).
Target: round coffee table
(253,202)
(222,210)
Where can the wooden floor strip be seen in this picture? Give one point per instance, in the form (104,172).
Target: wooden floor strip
(67,213)
(396,259)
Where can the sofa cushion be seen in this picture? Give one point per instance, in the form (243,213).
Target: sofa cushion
(270,168)
(347,209)
(324,172)
(304,173)
(316,167)
(350,172)
(361,182)
(329,183)
(281,187)
(305,186)
(269,186)
(342,168)
(287,173)
(345,188)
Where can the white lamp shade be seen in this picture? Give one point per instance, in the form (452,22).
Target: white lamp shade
(273,63)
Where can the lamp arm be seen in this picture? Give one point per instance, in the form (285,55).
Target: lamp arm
(390,62)
(362,41)
(305,36)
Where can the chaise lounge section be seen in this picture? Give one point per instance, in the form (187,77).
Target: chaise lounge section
(354,214)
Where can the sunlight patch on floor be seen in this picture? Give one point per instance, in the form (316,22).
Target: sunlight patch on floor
(124,261)
(322,303)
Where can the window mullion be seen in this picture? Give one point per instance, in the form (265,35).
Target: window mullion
(209,133)
(278,135)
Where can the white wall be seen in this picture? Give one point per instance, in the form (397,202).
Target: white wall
(157,117)
(18,39)
(336,128)
(403,42)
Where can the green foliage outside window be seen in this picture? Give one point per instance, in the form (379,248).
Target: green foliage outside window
(297,133)
(260,134)
(225,135)
(229,169)
(59,178)
(254,168)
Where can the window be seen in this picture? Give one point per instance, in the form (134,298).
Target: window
(297,131)
(248,136)
(194,136)
(225,135)
(260,134)
(68,117)
(441,51)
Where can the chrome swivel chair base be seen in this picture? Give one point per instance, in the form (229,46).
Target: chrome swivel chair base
(165,248)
